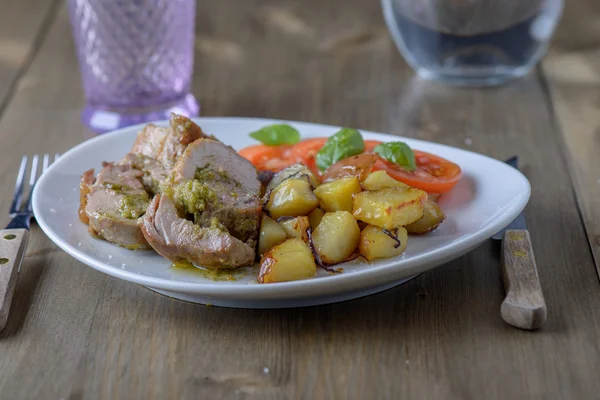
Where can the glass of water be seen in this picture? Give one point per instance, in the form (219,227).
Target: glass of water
(472,42)
(136,59)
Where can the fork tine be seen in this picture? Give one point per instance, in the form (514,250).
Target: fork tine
(34,167)
(45,162)
(32,179)
(56,156)
(19,186)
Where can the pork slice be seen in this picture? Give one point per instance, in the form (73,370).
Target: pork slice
(238,211)
(207,154)
(177,239)
(149,141)
(85,186)
(114,204)
(154,173)
(107,222)
(229,180)
(182,131)
(119,177)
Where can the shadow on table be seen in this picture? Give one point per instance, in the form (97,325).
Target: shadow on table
(464,294)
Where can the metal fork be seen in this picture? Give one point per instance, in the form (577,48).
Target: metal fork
(14,238)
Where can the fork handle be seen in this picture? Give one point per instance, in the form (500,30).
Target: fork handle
(524,306)
(13,243)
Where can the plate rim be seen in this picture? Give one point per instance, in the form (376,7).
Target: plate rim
(322,285)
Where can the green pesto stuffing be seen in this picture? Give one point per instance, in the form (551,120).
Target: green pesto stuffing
(246,225)
(192,196)
(215,223)
(206,173)
(133,246)
(115,186)
(133,206)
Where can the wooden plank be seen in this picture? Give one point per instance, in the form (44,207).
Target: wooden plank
(23,24)
(78,334)
(55,299)
(573,78)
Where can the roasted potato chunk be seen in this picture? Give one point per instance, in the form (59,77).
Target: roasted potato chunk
(375,243)
(271,234)
(292,198)
(291,260)
(338,195)
(381,180)
(293,171)
(336,237)
(432,218)
(315,218)
(296,227)
(434,197)
(389,208)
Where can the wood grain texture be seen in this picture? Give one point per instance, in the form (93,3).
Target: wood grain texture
(78,334)
(23,25)
(573,79)
(524,306)
(13,243)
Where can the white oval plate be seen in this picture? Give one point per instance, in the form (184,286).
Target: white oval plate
(487,198)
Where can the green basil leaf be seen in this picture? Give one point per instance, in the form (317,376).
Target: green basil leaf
(399,153)
(345,143)
(275,135)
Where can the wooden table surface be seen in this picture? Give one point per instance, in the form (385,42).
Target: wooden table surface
(75,333)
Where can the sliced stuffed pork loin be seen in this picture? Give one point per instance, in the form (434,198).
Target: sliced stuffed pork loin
(214,197)
(178,239)
(112,204)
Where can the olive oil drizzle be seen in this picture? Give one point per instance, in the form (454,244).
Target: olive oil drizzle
(219,275)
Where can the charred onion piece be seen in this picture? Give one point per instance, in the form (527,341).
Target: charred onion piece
(394,237)
(265,201)
(265,176)
(284,218)
(352,257)
(316,255)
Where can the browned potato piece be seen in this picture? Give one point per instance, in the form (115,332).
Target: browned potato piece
(291,260)
(296,227)
(337,195)
(374,243)
(315,218)
(389,208)
(271,234)
(292,198)
(432,218)
(293,171)
(381,180)
(336,237)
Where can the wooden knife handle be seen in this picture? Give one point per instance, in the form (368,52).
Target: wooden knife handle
(13,243)
(524,305)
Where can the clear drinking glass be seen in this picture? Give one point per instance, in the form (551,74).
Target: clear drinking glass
(472,42)
(136,59)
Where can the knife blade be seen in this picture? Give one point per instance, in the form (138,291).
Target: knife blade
(524,305)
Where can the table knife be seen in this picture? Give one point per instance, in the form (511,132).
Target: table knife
(524,305)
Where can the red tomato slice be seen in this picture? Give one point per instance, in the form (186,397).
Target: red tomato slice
(273,158)
(433,174)
(306,151)
(260,153)
(371,144)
